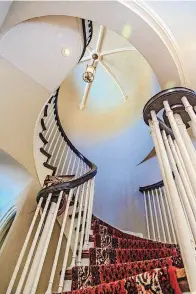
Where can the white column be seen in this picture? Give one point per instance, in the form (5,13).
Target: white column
(155,213)
(187,187)
(185,156)
(160,214)
(191,112)
(159,158)
(179,182)
(146,213)
(186,138)
(180,220)
(165,215)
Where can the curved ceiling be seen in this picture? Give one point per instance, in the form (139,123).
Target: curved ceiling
(111,131)
(37,47)
(148,35)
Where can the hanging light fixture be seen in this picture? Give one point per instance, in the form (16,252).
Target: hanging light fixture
(88,75)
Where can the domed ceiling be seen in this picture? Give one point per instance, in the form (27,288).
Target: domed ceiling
(109,129)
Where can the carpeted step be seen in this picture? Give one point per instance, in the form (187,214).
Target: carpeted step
(108,241)
(100,256)
(83,276)
(152,281)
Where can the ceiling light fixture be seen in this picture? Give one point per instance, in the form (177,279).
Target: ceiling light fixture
(88,75)
(65,52)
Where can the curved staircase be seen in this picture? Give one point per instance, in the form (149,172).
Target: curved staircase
(104,260)
(122,263)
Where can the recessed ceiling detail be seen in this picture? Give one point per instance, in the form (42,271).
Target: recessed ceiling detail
(100,53)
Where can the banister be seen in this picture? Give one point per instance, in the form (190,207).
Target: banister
(75,182)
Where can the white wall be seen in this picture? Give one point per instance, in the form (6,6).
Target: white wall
(35,48)
(21,100)
(13,179)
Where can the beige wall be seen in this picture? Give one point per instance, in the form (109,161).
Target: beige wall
(21,100)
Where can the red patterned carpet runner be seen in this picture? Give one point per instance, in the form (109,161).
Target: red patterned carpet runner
(122,263)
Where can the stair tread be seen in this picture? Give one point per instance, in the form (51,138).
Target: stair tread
(158,279)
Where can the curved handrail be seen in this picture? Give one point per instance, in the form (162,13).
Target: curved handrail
(75,182)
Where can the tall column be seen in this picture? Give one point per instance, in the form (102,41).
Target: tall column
(184,153)
(168,199)
(188,210)
(180,220)
(186,184)
(186,138)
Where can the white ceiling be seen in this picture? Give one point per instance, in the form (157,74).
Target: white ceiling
(111,132)
(35,48)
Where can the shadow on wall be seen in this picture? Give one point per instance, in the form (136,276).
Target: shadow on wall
(13,179)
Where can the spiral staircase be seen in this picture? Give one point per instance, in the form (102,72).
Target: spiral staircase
(96,258)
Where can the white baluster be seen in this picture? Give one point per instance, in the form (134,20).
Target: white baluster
(74,255)
(33,245)
(186,138)
(53,210)
(58,151)
(89,216)
(83,223)
(180,220)
(65,259)
(187,187)
(24,247)
(180,186)
(185,156)
(165,215)
(151,215)
(156,218)
(160,214)
(146,213)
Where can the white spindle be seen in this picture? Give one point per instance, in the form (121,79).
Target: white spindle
(179,182)
(87,194)
(161,217)
(58,151)
(49,145)
(185,156)
(34,243)
(54,209)
(156,218)
(169,215)
(61,160)
(165,215)
(65,259)
(58,248)
(187,187)
(74,255)
(24,247)
(146,213)
(89,216)
(151,215)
